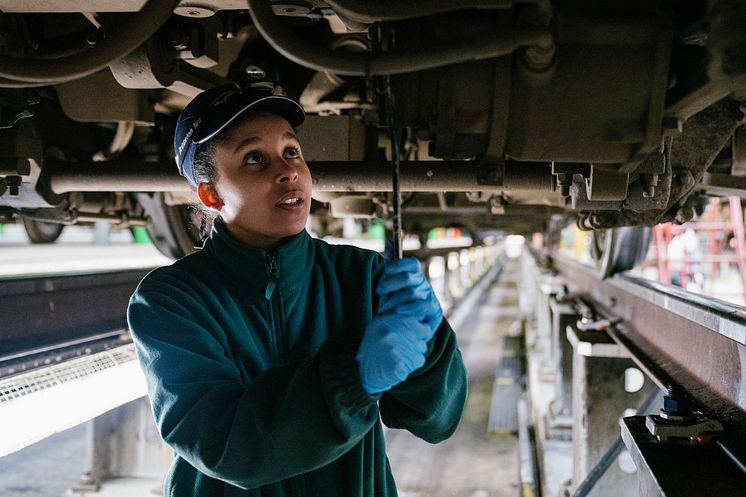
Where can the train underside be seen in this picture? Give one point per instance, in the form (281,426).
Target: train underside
(515,115)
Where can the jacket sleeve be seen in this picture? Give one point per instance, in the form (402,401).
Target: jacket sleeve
(288,420)
(430,402)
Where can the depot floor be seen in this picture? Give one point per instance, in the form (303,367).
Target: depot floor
(472,463)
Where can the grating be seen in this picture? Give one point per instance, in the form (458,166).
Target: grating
(41,379)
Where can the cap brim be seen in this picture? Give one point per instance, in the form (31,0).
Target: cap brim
(282,106)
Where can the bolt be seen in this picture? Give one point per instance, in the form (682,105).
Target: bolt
(564,182)
(676,405)
(92,38)
(177,39)
(14,183)
(684,214)
(649,182)
(673,390)
(255,72)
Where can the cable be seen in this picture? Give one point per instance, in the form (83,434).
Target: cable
(131,34)
(381,10)
(9,83)
(287,43)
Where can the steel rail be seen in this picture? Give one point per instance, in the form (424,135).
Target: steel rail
(675,337)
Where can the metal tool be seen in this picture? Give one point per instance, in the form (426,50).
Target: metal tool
(386,41)
(395,172)
(392,125)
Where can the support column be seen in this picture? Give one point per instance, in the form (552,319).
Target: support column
(562,315)
(599,402)
(126,452)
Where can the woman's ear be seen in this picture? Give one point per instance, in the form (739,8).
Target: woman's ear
(209,196)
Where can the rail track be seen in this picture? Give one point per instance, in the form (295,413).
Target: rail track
(682,341)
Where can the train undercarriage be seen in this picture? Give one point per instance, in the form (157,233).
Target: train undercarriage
(512,114)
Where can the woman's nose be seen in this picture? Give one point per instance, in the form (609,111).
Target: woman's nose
(288,174)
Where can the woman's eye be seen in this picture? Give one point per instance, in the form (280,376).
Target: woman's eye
(292,153)
(254,158)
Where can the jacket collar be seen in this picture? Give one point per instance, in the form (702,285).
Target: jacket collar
(250,267)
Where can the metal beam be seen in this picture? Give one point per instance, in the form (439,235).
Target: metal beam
(62,310)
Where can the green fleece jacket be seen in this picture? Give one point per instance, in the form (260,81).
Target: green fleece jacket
(250,363)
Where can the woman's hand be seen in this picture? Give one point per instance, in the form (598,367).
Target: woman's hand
(405,291)
(393,346)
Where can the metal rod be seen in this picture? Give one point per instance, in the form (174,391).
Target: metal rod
(393,129)
(348,176)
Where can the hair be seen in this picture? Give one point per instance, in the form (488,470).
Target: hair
(205,170)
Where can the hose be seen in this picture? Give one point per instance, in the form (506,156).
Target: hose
(122,138)
(318,58)
(132,33)
(395,10)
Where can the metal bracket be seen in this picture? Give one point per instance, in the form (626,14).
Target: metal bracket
(665,430)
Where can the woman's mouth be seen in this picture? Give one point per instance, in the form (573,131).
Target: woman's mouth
(292,201)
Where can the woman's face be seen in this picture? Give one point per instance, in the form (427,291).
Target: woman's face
(263,182)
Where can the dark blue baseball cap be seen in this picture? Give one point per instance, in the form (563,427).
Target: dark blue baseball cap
(213,110)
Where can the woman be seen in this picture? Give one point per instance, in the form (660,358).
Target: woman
(271,357)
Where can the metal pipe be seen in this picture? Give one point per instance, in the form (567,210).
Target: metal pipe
(132,33)
(370,12)
(285,41)
(113,176)
(416,176)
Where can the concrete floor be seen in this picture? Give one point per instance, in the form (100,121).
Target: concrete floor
(47,468)
(472,463)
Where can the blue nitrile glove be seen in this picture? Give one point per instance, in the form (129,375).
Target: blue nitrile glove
(405,290)
(393,346)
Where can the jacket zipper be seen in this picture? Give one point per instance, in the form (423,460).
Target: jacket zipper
(273,302)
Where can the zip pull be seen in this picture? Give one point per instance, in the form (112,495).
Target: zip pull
(273,278)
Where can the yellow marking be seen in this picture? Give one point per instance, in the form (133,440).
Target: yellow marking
(527,492)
